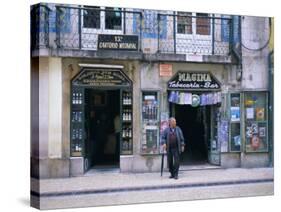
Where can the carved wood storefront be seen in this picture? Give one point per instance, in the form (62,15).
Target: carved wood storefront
(101,81)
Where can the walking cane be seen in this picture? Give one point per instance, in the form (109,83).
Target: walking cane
(162,161)
(162,164)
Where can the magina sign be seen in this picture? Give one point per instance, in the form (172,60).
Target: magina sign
(193,81)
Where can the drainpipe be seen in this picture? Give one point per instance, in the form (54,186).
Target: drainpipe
(271,109)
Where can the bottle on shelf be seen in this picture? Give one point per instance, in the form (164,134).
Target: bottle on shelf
(129,116)
(73,98)
(80,98)
(130,99)
(127,99)
(123,133)
(124,99)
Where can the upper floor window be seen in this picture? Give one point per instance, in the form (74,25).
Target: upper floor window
(91,17)
(202,24)
(193,23)
(113,18)
(184,25)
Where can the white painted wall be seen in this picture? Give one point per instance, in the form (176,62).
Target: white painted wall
(55,108)
(43,107)
(255,33)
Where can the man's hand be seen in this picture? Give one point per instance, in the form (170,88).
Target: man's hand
(164,147)
(182,148)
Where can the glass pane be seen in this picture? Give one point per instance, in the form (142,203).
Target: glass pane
(256,136)
(235,107)
(256,121)
(91,17)
(202,24)
(77,122)
(113,18)
(255,104)
(184,22)
(235,140)
(127,120)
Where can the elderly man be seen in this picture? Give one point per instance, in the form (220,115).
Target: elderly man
(173,143)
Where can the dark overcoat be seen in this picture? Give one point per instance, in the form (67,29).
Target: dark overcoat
(180,138)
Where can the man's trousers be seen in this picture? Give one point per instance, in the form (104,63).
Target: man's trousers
(173,161)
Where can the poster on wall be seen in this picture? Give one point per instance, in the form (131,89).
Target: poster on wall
(223,135)
(250,113)
(164,121)
(235,113)
(260,114)
(262,131)
(249,132)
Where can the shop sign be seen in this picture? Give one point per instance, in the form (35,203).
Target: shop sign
(101,77)
(118,42)
(193,81)
(166,70)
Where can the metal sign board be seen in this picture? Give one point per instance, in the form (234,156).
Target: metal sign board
(118,42)
(184,80)
(101,78)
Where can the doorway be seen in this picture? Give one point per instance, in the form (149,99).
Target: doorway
(195,125)
(102,126)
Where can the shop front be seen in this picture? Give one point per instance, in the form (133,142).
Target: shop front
(118,114)
(101,117)
(194,100)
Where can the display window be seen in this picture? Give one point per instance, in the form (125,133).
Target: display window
(235,125)
(150,122)
(256,123)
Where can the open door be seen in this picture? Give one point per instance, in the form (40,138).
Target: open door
(87,131)
(214,147)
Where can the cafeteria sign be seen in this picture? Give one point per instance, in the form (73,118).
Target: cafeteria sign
(101,78)
(118,42)
(193,81)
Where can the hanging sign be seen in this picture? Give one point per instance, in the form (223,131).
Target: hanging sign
(193,81)
(101,77)
(118,42)
(195,100)
(165,70)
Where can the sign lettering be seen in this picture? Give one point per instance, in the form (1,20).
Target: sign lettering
(190,80)
(101,77)
(118,42)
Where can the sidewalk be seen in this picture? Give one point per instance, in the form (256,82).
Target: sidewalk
(98,186)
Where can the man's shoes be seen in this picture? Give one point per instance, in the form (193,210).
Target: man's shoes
(176,177)
(171,176)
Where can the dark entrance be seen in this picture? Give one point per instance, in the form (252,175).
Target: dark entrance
(195,124)
(102,125)
(101,108)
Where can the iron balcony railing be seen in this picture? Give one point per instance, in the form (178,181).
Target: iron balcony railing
(66,27)
(78,28)
(39,26)
(202,34)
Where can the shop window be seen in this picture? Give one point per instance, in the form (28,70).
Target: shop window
(91,17)
(256,121)
(235,117)
(127,123)
(113,18)
(150,120)
(202,24)
(184,24)
(77,122)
